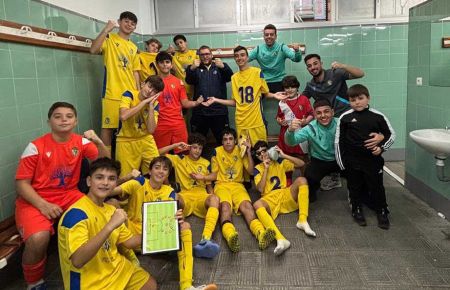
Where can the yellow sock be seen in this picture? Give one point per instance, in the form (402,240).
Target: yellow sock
(268,222)
(210,222)
(228,230)
(185,260)
(256,227)
(303,203)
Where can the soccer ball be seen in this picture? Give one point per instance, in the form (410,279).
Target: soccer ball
(273,154)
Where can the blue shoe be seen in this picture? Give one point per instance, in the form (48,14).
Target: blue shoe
(206,249)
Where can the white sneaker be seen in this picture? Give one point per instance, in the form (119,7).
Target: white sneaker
(331,181)
(203,287)
(282,245)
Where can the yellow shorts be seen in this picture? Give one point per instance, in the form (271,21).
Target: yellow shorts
(138,279)
(136,154)
(232,192)
(194,202)
(110,113)
(256,134)
(280,201)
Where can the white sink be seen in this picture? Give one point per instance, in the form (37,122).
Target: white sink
(435,141)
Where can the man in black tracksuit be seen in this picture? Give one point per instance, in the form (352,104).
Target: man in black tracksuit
(209,77)
(364,167)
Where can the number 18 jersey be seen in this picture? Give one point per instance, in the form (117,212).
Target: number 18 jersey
(247,87)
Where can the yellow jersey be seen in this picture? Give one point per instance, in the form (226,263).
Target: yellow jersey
(276,177)
(136,126)
(229,166)
(180,61)
(139,191)
(184,166)
(108,269)
(120,60)
(247,87)
(148,65)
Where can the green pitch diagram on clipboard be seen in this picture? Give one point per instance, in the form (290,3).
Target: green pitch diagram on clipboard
(160,229)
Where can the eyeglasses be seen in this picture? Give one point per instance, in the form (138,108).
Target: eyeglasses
(258,153)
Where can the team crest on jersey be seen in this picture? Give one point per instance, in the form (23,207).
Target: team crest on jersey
(199,169)
(107,120)
(172,86)
(48,153)
(235,158)
(329,82)
(354,120)
(230,172)
(145,192)
(300,107)
(75,151)
(106,245)
(117,44)
(124,60)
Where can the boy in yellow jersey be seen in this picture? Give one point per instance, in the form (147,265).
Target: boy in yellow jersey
(89,234)
(147,59)
(247,86)
(228,170)
(196,192)
(182,58)
(136,146)
(276,196)
(121,64)
(142,190)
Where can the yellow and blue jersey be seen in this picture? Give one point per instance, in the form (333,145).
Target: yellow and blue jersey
(247,87)
(180,62)
(148,65)
(276,177)
(108,269)
(229,166)
(184,166)
(120,61)
(139,191)
(135,127)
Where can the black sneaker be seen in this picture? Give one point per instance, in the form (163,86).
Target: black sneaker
(358,215)
(383,220)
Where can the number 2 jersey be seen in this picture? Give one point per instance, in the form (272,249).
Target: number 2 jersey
(247,87)
(276,177)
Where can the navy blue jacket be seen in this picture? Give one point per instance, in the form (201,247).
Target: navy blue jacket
(209,83)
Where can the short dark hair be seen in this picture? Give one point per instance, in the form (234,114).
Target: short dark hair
(321,103)
(105,163)
(162,56)
(204,47)
(357,90)
(290,82)
(60,105)
(179,36)
(260,144)
(239,48)
(155,82)
(161,159)
(270,26)
(128,15)
(154,40)
(312,55)
(196,138)
(228,131)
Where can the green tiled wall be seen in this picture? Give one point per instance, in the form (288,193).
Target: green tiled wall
(32,78)
(428,106)
(381,51)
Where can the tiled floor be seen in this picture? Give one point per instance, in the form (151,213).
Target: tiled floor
(413,254)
